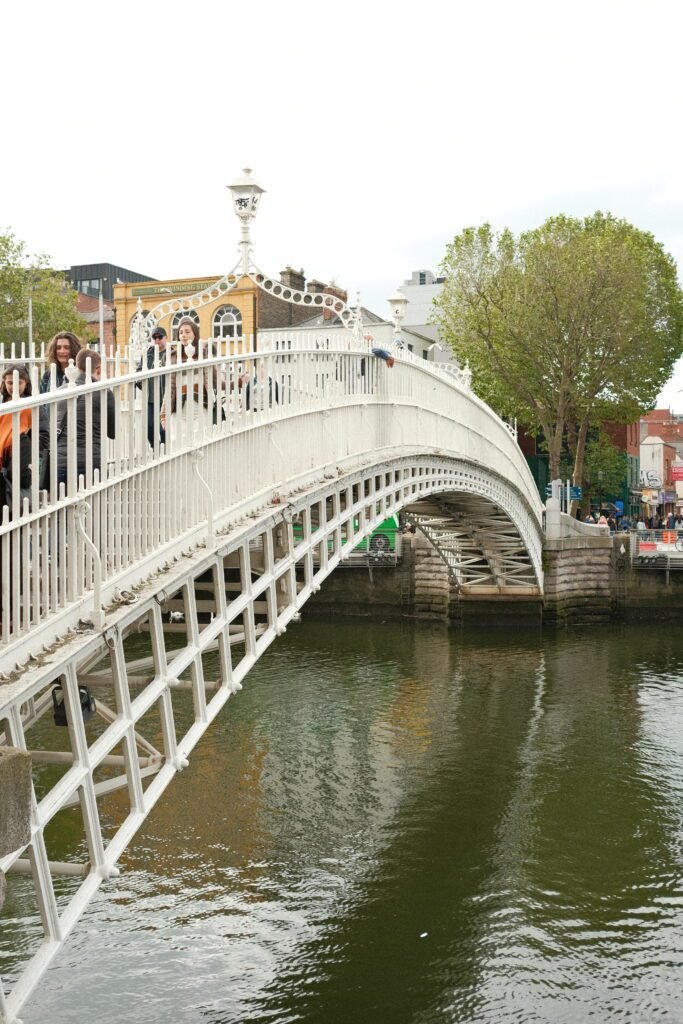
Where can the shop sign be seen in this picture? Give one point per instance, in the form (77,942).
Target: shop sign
(677,471)
(174,289)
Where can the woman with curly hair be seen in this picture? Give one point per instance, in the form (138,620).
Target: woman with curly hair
(63,347)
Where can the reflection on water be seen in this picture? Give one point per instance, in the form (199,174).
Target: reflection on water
(401,824)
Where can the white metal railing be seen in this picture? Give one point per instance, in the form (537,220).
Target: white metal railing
(657,549)
(108,512)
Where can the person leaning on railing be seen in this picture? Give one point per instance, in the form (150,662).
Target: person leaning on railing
(63,347)
(11,476)
(83,402)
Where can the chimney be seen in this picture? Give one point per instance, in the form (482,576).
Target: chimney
(315,287)
(339,293)
(292,278)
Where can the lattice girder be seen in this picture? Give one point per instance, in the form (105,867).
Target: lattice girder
(478,542)
(208,617)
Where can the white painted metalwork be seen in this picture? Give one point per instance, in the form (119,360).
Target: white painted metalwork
(481,533)
(326,432)
(205,562)
(657,549)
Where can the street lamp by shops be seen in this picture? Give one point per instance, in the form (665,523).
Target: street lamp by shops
(32,277)
(246,195)
(397,305)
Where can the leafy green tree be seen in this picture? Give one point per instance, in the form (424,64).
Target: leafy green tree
(54,303)
(605,470)
(572,324)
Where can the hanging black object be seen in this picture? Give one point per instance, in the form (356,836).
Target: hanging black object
(59,707)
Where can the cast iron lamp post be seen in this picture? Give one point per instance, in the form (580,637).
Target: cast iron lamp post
(246,194)
(397,305)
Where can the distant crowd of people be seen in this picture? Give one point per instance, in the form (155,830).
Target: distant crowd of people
(670,521)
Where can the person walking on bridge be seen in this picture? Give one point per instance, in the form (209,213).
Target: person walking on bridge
(192,391)
(88,423)
(63,347)
(156,356)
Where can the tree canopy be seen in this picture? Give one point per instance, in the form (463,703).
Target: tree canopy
(572,324)
(53,302)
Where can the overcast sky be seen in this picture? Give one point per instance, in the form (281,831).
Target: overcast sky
(379,129)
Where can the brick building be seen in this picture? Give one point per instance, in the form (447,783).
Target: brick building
(626,437)
(89,308)
(241,312)
(665,424)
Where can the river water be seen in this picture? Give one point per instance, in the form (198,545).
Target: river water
(400,823)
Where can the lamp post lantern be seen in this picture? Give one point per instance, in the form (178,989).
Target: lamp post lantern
(246,195)
(397,305)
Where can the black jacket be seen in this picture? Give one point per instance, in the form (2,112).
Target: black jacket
(150,366)
(81,428)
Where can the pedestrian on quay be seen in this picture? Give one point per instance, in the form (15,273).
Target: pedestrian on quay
(679,521)
(588,518)
(625,524)
(63,347)
(670,521)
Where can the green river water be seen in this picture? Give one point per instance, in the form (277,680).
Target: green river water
(402,824)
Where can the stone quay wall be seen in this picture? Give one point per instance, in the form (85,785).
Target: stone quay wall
(588,579)
(577,583)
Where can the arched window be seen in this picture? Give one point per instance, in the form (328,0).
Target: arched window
(182,314)
(227,322)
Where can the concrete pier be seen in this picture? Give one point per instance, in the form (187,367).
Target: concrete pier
(588,579)
(15,803)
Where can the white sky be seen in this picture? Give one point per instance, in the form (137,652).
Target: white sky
(379,129)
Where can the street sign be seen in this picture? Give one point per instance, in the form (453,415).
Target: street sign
(575,493)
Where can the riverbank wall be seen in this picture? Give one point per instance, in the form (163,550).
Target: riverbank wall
(589,578)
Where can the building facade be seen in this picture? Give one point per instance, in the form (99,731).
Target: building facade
(656,461)
(239,313)
(89,278)
(626,438)
(421,288)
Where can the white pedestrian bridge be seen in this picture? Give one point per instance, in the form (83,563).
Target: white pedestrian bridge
(163,573)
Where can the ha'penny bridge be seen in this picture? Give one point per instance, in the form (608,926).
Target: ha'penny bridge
(157,575)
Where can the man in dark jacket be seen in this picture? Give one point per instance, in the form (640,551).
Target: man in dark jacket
(88,423)
(156,351)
